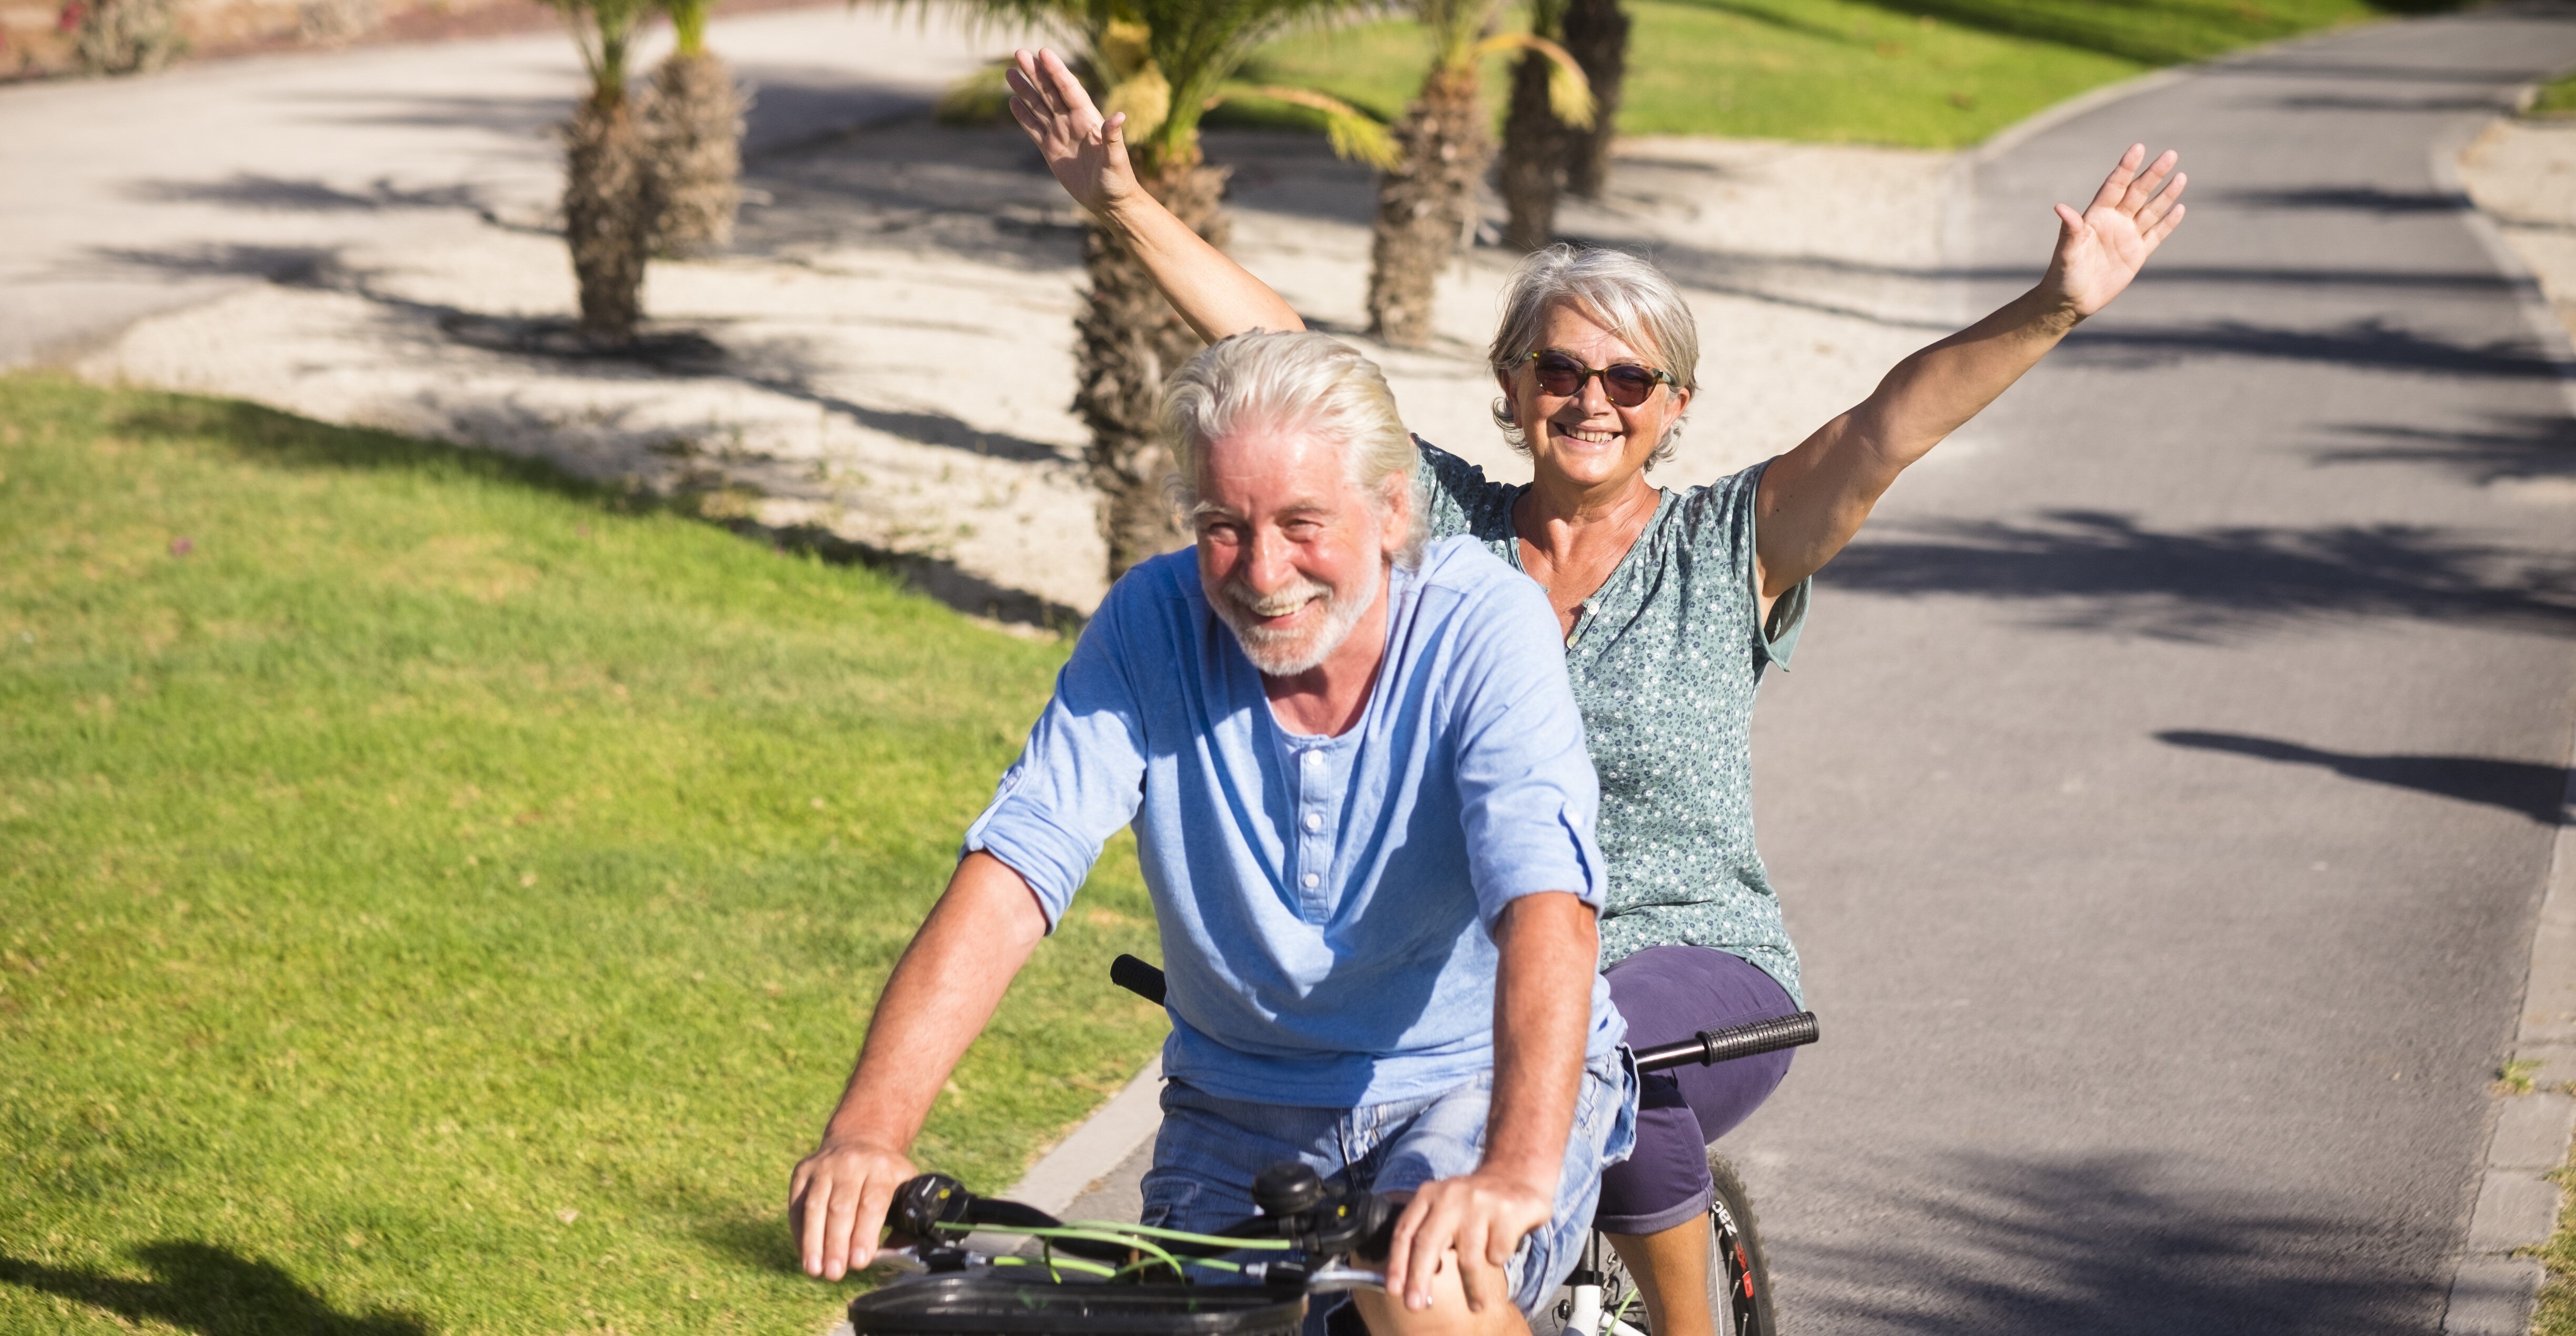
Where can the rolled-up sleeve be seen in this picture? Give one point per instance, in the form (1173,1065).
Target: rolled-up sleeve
(1528,793)
(1081,775)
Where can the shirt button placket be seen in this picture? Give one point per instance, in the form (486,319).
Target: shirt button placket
(1316,852)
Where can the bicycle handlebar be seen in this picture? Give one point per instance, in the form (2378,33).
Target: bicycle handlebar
(1735,1041)
(1705,1048)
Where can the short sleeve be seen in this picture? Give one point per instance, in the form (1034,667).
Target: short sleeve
(1081,775)
(1723,533)
(1529,798)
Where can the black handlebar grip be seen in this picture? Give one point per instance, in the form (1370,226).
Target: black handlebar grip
(1737,1041)
(1137,977)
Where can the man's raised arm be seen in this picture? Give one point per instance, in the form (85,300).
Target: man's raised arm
(937,1000)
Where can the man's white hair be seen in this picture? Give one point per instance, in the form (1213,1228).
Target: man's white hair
(1305,383)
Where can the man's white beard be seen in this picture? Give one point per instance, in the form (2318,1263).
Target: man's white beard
(1288,653)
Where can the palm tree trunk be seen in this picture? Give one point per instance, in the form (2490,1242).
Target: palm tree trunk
(1596,35)
(1130,343)
(1534,153)
(694,123)
(1423,205)
(608,217)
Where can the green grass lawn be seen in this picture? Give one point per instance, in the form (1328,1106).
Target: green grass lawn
(436,898)
(1927,73)
(2555,99)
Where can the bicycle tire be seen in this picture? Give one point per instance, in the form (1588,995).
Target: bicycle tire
(1739,1279)
(1743,1275)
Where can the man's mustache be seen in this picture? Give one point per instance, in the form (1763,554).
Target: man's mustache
(1277,603)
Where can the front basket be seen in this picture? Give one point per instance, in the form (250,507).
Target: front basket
(986,1306)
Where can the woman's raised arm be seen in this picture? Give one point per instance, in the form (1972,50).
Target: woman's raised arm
(1815,497)
(1089,158)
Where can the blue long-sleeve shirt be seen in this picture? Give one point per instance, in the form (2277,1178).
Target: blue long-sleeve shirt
(1326,903)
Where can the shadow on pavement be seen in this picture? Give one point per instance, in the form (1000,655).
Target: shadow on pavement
(2356,199)
(2108,572)
(2535,791)
(2370,343)
(202,1288)
(2514,446)
(2105,1245)
(256,190)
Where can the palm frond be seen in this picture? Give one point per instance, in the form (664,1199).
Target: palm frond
(1569,94)
(1454,26)
(1353,133)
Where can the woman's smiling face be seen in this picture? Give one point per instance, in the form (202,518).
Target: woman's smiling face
(1584,439)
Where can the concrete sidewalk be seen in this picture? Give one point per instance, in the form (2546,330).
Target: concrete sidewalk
(134,195)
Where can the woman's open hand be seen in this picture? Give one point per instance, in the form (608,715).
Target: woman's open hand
(2101,249)
(1086,153)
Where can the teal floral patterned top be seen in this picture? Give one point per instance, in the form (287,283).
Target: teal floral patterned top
(1664,659)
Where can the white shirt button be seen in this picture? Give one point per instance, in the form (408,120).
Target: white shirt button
(1314,822)
(1313,759)
(1311,879)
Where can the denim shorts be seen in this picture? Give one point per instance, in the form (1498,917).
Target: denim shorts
(1209,1148)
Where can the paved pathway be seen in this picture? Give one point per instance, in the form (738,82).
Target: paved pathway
(2166,788)
(135,196)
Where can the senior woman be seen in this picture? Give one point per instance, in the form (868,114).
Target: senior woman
(1672,603)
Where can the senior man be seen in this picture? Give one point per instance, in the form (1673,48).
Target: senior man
(1364,810)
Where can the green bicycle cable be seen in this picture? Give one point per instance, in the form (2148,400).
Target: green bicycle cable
(1184,1236)
(1044,1234)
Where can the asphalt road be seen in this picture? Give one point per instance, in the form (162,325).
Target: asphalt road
(125,197)
(2165,789)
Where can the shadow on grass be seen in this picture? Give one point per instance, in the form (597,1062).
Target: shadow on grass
(2148,34)
(266,436)
(760,1243)
(202,1288)
(2524,787)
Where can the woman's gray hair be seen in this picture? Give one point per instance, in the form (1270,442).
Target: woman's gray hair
(1301,382)
(1624,292)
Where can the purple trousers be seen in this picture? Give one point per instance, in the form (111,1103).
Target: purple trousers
(1670,993)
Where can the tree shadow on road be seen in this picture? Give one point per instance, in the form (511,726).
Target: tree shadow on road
(2099,571)
(2110,1245)
(2372,344)
(202,1288)
(2533,790)
(2513,447)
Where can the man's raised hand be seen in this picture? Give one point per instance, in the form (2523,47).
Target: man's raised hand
(2100,250)
(1087,154)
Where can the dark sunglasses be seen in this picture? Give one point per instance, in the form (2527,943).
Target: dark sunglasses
(1623,383)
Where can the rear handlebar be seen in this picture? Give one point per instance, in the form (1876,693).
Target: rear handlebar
(1704,1048)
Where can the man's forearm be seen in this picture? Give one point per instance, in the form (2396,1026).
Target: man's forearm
(1542,1015)
(1214,294)
(937,1000)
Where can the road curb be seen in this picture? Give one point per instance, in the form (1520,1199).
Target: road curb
(2516,1209)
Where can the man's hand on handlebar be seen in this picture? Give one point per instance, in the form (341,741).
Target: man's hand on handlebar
(837,1202)
(1483,1216)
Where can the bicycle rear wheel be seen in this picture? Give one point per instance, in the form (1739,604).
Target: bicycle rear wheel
(1739,1280)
